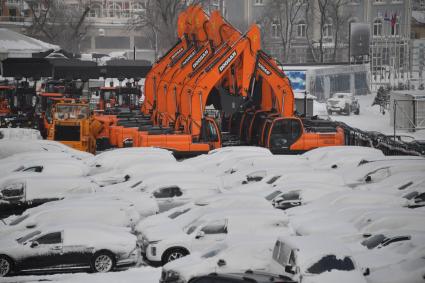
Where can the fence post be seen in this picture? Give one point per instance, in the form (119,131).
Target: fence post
(394,118)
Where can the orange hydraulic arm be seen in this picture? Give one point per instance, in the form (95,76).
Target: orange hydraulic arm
(232,68)
(153,77)
(219,36)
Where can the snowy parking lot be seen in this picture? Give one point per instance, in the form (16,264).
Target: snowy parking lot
(333,214)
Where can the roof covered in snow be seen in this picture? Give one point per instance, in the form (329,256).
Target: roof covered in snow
(12,42)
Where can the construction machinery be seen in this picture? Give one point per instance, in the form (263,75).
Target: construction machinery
(213,64)
(17,105)
(73,125)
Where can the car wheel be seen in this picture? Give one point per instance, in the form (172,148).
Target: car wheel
(348,110)
(6,266)
(329,112)
(357,111)
(103,262)
(173,254)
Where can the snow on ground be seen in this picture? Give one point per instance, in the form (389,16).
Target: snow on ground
(140,275)
(370,118)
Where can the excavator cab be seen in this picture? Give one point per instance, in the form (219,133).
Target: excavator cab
(210,133)
(282,133)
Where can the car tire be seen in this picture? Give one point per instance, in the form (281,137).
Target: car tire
(103,262)
(357,112)
(329,112)
(348,110)
(173,254)
(6,265)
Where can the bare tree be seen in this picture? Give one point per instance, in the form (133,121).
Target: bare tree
(59,23)
(340,21)
(283,15)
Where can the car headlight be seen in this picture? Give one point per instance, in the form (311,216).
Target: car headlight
(11,191)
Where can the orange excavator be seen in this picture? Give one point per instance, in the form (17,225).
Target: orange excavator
(214,65)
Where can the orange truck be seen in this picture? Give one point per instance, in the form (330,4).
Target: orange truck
(214,65)
(73,125)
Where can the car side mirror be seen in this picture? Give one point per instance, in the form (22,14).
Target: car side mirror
(290,269)
(221,262)
(200,234)
(34,244)
(366,271)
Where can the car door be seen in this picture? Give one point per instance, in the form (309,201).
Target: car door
(44,252)
(209,234)
(75,253)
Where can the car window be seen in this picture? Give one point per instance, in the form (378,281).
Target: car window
(191,227)
(276,251)
(256,176)
(405,186)
(373,241)
(51,238)
(293,195)
(273,179)
(331,262)
(19,219)
(28,236)
(395,240)
(167,192)
(37,169)
(272,195)
(178,213)
(411,195)
(136,184)
(216,227)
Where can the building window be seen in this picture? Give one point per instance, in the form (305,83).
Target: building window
(114,10)
(301,2)
(379,1)
(301,29)
(327,30)
(95,11)
(377,28)
(259,2)
(275,29)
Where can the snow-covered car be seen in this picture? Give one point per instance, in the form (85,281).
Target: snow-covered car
(112,213)
(247,254)
(214,162)
(369,172)
(342,102)
(163,244)
(50,167)
(314,259)
(10,147)
(68,247)
(185,214)
(390,247)
(29,188)
(302,193)
(122,158)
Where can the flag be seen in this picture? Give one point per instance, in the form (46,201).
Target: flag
(393,19)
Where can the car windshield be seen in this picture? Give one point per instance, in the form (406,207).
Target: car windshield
(293,195)
(373,241)
(19,219)
(331,262)
(192,226)
(69,111)
(273,195)
(178,213)
(27,237)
